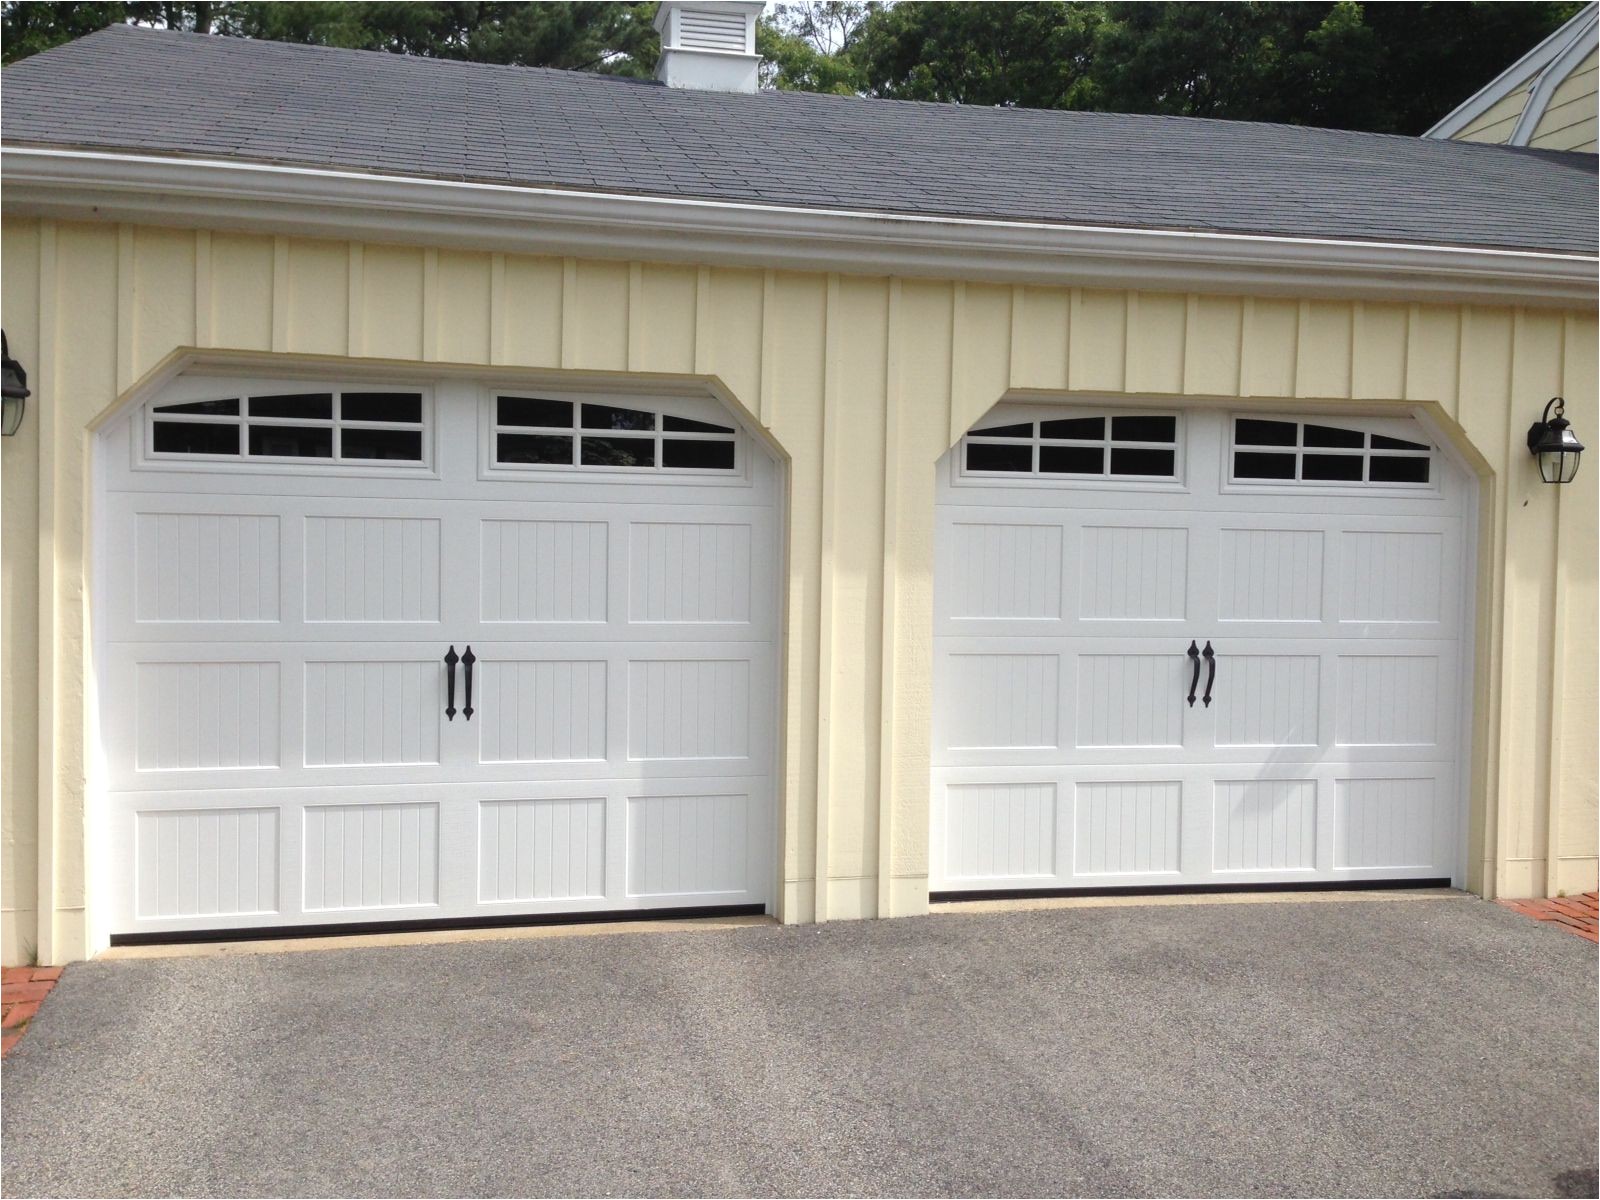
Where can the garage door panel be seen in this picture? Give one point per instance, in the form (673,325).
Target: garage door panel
(1009,570)
(544,848)
(1332,618)
(541,710)
(1127,828)
(543,571)
(371,569)
(205,863)
(275,689)
(370,856)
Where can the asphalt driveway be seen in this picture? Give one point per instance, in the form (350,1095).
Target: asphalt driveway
(1416,1047)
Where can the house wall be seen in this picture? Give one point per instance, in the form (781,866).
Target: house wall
(1569,123)
(1496,123)
(864,383)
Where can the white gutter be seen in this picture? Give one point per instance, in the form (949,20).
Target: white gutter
(313,202)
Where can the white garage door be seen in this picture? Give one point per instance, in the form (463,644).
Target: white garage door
(1197,649)
(395,653)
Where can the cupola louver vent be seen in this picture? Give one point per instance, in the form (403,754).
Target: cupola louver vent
(711,31)
(709,44)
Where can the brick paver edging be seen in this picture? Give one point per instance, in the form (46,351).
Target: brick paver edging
(1576,914)
(22,989)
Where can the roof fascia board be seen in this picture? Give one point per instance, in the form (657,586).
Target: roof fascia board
(1513,77)
(1550,79)
(88,185)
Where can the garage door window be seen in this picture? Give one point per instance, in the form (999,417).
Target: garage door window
(531,431)
(1305,452)
(328,426)
(1133,446)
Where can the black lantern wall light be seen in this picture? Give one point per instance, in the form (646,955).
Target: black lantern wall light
(13,389)
(1553,443)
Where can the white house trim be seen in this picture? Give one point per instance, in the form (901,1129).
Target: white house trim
(317,202)
(1547,64)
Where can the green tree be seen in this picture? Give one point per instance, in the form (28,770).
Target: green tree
(809,47)
(1390,68)
(1037,55)
(579,34)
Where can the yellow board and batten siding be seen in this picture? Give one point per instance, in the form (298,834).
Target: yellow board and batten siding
(862,383)
(1568,122)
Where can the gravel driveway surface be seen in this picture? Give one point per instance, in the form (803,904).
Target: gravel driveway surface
(1408,1047)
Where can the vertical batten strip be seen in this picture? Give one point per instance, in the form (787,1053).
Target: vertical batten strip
(1130,323)
(45,652)
(958,360)
(1302,332)
(1358,317)
(827,571)
(126,316)
(203,335)
(280,294)
(888,676)
(355,297)
(1014,365)
(702,321)
(1247,346)
(1191,322)
(765,411)
(635,315)
(430,305)
(569,304)
(497,310)
(1413,332)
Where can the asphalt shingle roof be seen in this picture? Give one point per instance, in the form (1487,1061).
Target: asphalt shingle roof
(158,92)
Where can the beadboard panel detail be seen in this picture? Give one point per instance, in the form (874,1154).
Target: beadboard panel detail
(680,845)
(1391,577)
(1131,572)
(207,716)
(1129,700)
(1266,825)
(371,713)
(362,856)
(1386,823)
(683,571)
(1273,700)
(1009,571)
(1270,575)
(232,556)
(1388,701)
(543,570)
(1003,701)
(687,708)
(206,862)
(1128,828)
(1001,831)
(543,711)
(542,849)
(372,569)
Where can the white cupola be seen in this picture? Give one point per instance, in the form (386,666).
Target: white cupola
(709,44)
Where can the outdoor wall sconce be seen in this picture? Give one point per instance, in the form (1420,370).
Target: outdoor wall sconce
(1552,442)
(14,390)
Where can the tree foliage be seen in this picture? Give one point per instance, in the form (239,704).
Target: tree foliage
(1383,67)
(1387,67)
(579,34)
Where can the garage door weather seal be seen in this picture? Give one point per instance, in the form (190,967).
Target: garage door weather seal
(1199,889)
(366,928)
